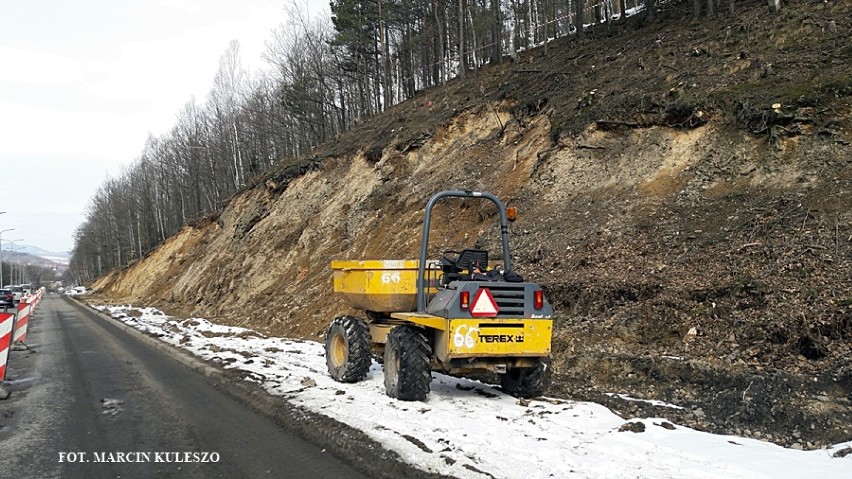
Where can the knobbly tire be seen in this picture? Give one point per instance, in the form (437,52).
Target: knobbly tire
(348,349)
(524,382)
(408,371)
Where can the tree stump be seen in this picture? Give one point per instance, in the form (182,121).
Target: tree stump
(774,6)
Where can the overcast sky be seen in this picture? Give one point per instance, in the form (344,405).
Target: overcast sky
(83,84)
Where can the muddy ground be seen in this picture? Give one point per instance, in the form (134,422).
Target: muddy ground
(748,324)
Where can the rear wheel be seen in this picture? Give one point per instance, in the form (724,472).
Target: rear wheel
(347,349)
(524,382)
(408,371)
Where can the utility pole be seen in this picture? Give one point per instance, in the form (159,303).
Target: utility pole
(1,254)
(11,265)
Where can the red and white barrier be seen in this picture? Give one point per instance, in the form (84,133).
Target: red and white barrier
(20,333)
(6,322)
(33,299)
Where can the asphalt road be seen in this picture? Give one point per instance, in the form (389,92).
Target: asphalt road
(90,399)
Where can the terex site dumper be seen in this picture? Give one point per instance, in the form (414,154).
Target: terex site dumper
(455,315)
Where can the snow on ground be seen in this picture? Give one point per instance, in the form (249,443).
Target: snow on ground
(469,429)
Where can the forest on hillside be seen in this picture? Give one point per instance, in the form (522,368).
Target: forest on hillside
(326,76)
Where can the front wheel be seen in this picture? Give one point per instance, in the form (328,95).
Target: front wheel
(524,382)
(408,371)
(347,349)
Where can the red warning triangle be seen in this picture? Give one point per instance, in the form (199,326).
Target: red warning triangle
(484,305)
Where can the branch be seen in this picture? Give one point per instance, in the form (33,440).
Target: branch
(610,123)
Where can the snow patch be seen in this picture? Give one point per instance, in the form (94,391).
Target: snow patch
(471,429)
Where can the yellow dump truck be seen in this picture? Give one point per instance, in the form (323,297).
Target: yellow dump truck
(455,315)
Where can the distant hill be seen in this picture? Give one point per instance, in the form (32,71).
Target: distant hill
(29,253)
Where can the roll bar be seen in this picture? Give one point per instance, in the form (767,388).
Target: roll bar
(421,268)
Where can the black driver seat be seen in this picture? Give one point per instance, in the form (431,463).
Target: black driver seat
(462,268)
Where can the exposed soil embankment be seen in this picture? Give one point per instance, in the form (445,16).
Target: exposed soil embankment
(685,191)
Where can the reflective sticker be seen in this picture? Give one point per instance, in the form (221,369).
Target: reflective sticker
(483,305)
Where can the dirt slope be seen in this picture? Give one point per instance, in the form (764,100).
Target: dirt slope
(685,191)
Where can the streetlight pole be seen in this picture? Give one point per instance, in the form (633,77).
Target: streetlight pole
(1,254)
(12,266)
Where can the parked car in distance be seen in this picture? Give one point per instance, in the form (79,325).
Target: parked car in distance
(17,291)
(7,299)
(28,288)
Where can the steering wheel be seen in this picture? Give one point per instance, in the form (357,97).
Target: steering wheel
(452,262)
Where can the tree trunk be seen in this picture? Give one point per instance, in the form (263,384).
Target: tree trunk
(496,33)
(516,26)
(579,17)
(383,36)
(774,6)
(407,57)
(438,64)
(462,54)
(427,53)
(546,28)
(475,54)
